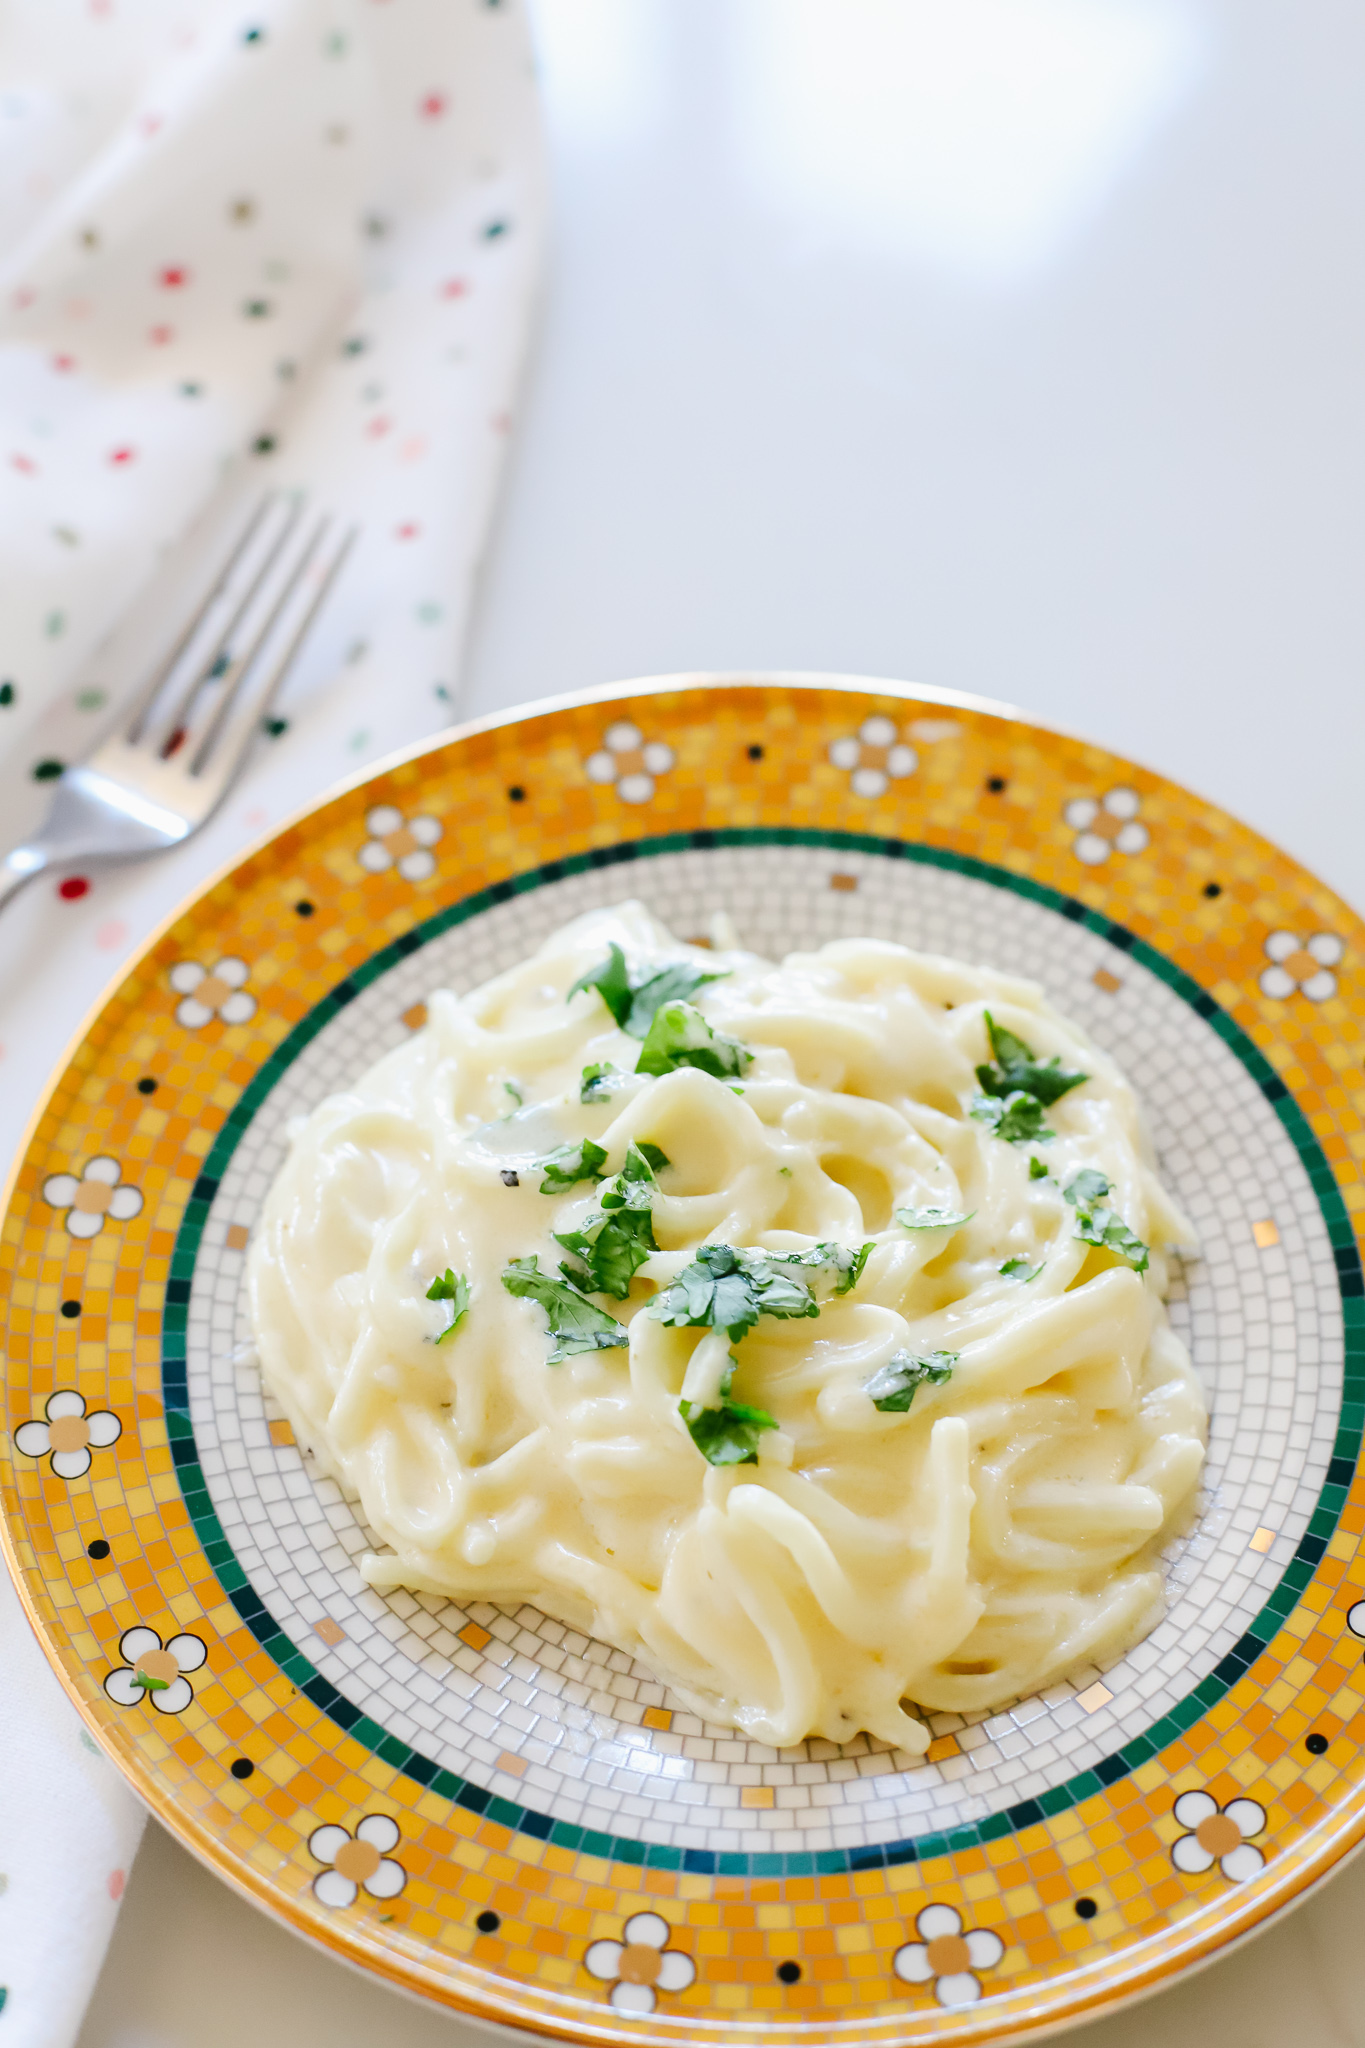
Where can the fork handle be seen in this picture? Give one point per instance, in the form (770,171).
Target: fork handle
(20,865)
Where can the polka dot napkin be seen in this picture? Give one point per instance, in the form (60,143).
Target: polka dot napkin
(291,244)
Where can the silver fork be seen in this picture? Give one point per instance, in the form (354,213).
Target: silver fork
(212,639)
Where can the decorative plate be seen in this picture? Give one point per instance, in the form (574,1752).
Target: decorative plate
(492,1811)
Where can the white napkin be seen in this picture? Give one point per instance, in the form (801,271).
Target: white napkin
(293,242)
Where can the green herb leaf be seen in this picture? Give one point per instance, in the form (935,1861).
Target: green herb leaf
(615,1241)
(893,1388)
(681,1037)
(1017,1117)
(634,1005)
(1010,1050)
(511,1088)
(1103,1227)
(1097,1223)
(672,984)
(729,1290)
(150,1684)
(727,1435)
(576,1323)
(836,1262)
(654,1157)
(454,1288)
(1036,1169)
(933,1219)
(634,1186)
(612,1246)
(599,1081)
(1018,1070)
(569,1165)
(852,1273)
(1020,1269)
(612,983)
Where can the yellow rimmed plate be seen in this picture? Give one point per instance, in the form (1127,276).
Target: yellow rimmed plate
(496,1813)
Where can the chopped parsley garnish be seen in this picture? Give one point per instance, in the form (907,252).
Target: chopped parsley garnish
(893,1388)
(454,1288)
(1017,1117)
(511,1088)
(727,1435)
(654,1157)
(1097,1223)
(150,1684)
(612,983)
(576,1323)
(599,1080)
(725,1289)
(1016,1069)
(681,1037)
(673,984)
(633,1005)
(615,1240)
(1036,1169)
(612,1248)
(933,1219)
(1020,1269)
(569,1165)
(836,1262)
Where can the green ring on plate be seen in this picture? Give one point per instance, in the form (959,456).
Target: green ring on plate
(654,1855)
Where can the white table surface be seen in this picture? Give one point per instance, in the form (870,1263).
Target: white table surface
(1008,345)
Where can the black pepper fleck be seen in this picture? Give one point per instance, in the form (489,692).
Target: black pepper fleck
(510,1179)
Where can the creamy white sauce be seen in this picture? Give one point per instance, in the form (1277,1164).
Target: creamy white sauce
(1002,1531)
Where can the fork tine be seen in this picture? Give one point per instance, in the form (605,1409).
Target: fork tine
(258,669)
(216,659)
(299,630)
(165,668)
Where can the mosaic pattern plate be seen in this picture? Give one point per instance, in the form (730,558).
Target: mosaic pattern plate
(495,1812)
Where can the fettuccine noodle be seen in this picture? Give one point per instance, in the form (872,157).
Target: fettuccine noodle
(962,1476)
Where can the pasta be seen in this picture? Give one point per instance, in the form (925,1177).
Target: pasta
(797,1330)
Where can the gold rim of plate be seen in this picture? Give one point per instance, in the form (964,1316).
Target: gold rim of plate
(471,1900)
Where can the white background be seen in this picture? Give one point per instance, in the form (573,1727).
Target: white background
(1010,345)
